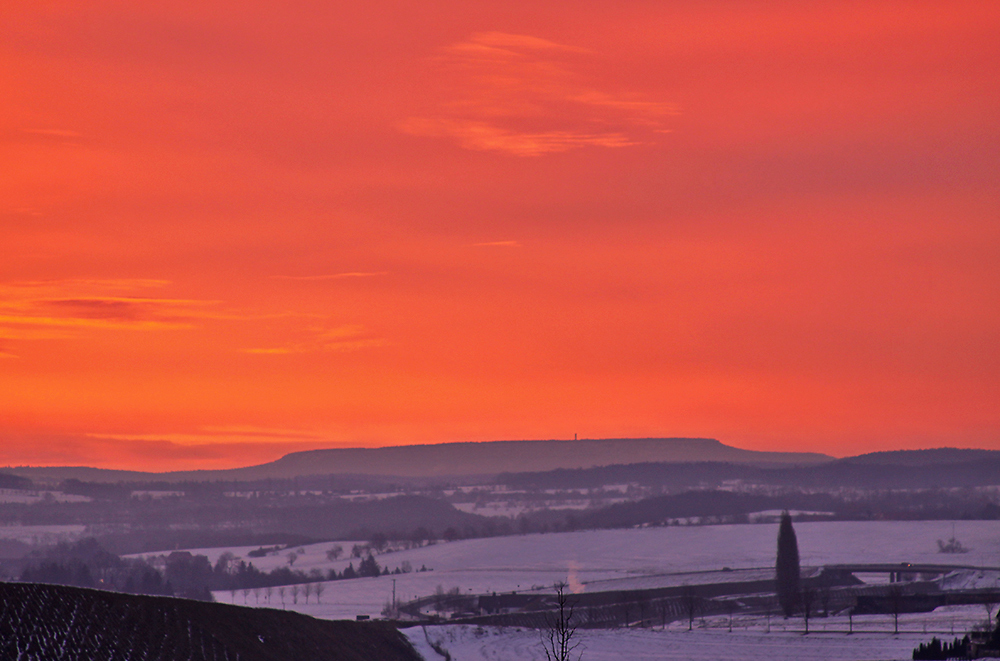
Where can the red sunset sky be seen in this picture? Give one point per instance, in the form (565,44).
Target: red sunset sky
(229,230)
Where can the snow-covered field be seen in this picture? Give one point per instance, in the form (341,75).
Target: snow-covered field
(599,554)
(42,534)
(514,509)
(873,639)
(466,643)
(642,556)
(29,497)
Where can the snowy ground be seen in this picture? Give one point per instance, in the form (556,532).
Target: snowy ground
(42,534)
(30,497)
(637,558)
(873,639)
(505,508)
(468,644)
(603,554)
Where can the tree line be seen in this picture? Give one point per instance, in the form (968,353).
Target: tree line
(180,573)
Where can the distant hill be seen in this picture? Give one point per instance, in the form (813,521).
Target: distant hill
(458,459)
(934,457)
(8,481)
(920,469)
(245,522)
(498,456)
(57,622)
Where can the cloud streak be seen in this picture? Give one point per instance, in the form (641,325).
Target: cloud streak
(214,435)
(351,337)
(332,276)
(497,244)
(60,309)
(127,284)
(114,313)
(55,133)
(522,95)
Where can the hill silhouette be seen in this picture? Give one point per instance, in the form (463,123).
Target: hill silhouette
(457,459)
(932,457)
(55,622)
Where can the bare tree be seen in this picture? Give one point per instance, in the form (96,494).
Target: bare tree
(334,552)
(807,601)
(896,602)
(226,563)
(559,639)
(824,599)
(642,612)
(318,589)
(989,603)
(690,600)
(308,589)
(295,593)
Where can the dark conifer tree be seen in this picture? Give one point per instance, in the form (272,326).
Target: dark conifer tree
(787,566)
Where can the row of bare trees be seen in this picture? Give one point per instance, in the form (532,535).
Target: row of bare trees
(280,592)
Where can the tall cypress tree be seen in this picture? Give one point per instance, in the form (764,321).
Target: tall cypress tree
(786,570)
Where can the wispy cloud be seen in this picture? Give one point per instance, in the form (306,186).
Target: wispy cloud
(126,284)
(504,43)
(340,338)
(498,244)
(33,310)
(55,133)
(81,323)
(274,351)
(24,211)
(222,434)
(332,276)
(483,136)
(33,333)
(523,95)
(57,309)
(247,431)
(118,313)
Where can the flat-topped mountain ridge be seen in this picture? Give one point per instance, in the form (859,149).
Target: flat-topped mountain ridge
(502,456)
(458,459)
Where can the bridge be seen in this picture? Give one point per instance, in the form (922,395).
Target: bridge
(900,571)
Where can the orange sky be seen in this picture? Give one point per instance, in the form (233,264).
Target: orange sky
(233,229)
